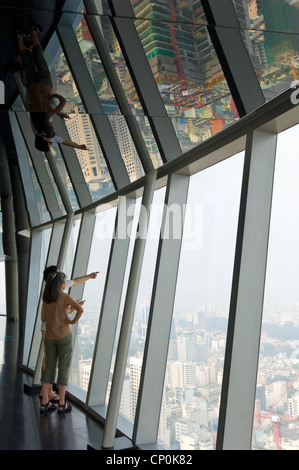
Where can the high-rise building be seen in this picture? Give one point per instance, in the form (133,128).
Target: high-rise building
(186,347)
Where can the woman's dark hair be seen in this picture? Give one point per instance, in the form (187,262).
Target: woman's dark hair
(41,144)
(50,270)
(53,287)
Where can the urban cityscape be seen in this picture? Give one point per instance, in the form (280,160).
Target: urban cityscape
(192,390)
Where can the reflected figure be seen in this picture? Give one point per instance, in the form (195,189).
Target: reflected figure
(40,99)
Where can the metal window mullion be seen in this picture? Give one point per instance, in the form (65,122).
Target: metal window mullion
(143,79)
(94,25)
(111,303)
(159,325)
(128,313)
(245,316)
(224,29)
(39,166)
(92,105)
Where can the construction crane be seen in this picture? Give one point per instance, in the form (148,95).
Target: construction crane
(276,419)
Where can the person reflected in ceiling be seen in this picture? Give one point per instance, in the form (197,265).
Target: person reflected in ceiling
(40,99)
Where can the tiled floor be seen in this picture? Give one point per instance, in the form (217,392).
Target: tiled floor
(22,427)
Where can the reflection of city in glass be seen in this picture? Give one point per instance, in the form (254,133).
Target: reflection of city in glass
(267,28)
(187,72)
(185,67)
(81,131)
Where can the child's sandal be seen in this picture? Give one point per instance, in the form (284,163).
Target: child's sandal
(64,408)
(47,407)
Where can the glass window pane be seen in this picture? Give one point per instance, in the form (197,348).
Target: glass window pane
(52,180)
(137,342)
(267,28)
(35,199)
(71,249)
(64,177)
(277,393)
(93,292)
(1,236)
(192,389)
(96,69)
(64,84)
(40,242)
(130,91)
(133,231)
(189,77)
(127,147)
(81,131)
(2,289)
(108,102)
(92,162)
(36,205)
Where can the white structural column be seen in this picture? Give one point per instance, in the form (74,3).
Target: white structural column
(111,303)
(159,325)
(245,316)
(128,313)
